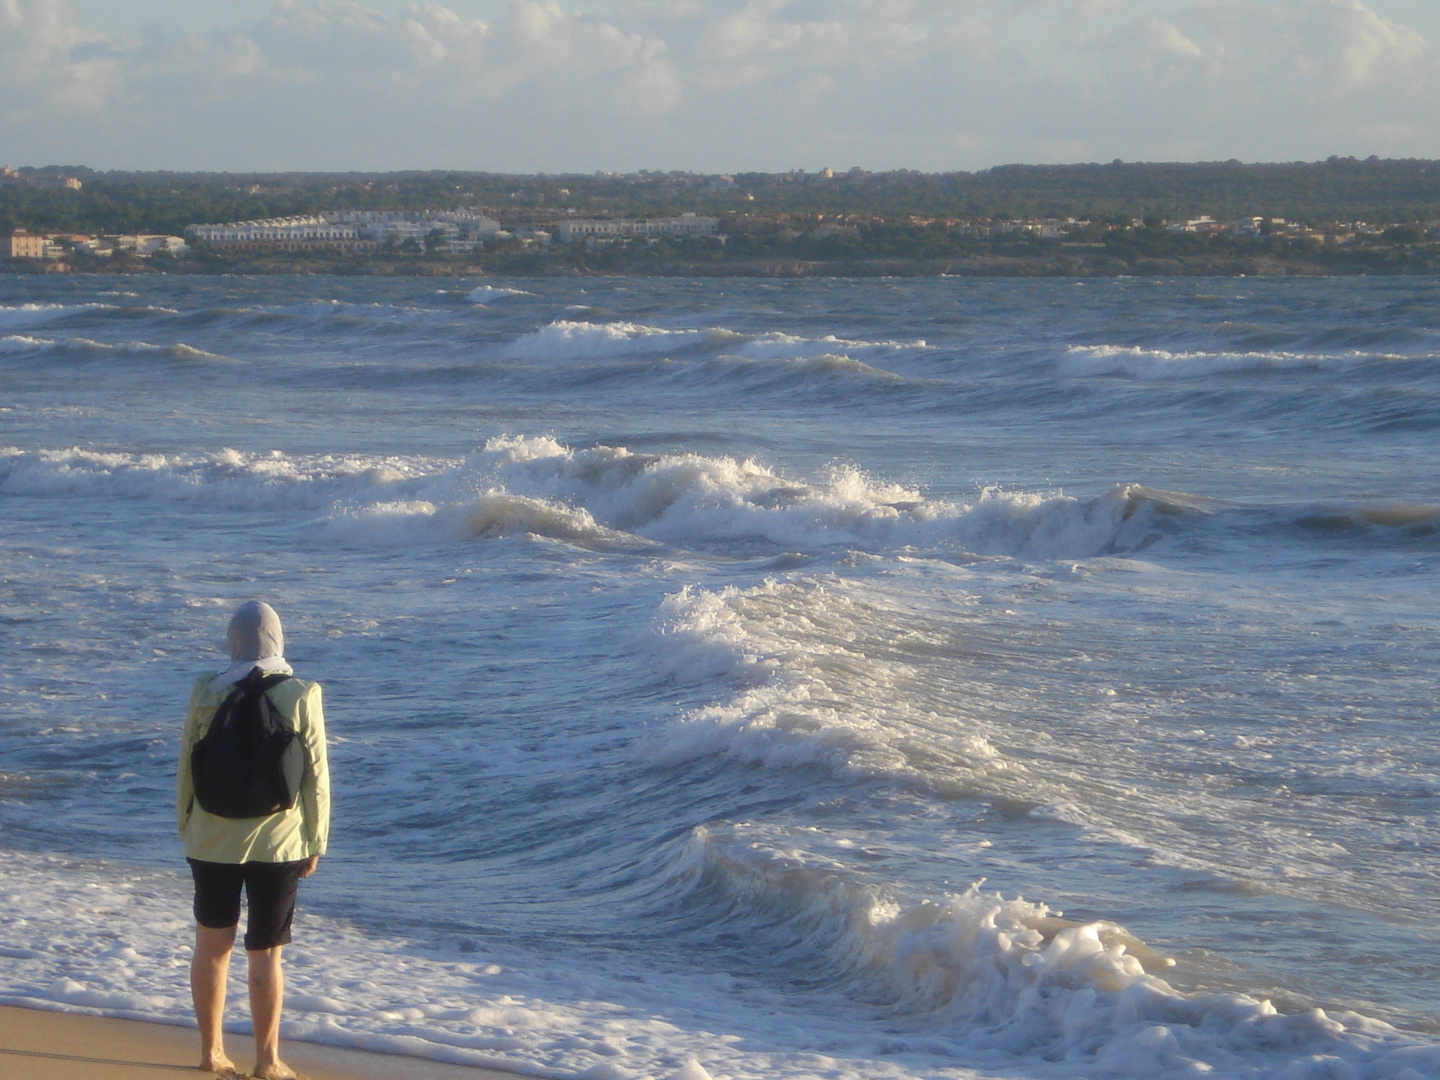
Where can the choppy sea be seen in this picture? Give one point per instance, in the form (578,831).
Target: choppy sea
(852,680)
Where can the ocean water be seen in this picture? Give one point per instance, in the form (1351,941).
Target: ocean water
(749,679)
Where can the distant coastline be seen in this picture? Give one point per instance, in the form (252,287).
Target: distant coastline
(1341,216)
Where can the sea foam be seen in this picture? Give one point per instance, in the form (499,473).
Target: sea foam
(809,679)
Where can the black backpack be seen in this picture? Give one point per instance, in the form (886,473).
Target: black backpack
(249,763)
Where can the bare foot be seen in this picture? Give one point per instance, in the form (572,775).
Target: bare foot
(220,1065)
(276,1070)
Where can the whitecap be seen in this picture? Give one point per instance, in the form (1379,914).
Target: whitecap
(1145,363)
(32,314)
(484,294)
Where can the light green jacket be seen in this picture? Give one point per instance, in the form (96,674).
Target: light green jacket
(288,836)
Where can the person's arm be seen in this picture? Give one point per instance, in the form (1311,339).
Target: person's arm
(315,789)
(184,782)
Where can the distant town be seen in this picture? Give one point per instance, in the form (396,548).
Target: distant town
(1338,216)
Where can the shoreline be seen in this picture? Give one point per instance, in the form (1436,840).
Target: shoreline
(1060,264)
(53,1045)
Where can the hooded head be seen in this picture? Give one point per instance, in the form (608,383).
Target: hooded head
(255,633)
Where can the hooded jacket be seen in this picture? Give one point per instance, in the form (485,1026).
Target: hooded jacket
(255,640)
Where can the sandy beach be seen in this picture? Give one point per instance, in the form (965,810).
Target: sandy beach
(37,1045)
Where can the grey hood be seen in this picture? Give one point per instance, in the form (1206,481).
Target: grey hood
(256,640)
(255,632)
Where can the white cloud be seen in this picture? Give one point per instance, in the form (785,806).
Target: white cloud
(1300,79)
(48,61)
(720,84)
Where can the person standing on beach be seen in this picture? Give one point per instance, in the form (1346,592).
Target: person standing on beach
(267,854)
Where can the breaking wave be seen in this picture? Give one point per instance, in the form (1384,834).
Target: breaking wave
(23,315)
(25,344)
(693,498)
(995,981)
(1142,363)
(568,339)
(735,506)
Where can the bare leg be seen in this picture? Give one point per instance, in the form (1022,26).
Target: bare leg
(267,995)
(209,968)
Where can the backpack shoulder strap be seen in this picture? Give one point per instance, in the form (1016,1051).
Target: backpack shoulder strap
(254,682)
(253,685)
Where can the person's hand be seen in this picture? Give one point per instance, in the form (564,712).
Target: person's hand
(310,864)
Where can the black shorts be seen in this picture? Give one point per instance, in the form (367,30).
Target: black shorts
(269,893)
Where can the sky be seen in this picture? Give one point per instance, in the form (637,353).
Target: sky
(711,85)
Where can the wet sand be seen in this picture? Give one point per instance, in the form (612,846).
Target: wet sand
(39,1045)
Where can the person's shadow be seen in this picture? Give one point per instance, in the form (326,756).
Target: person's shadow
(47,1055)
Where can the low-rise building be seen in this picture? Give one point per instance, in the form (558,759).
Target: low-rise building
(27,245)
(150,243)
(1204,224)
(94,246)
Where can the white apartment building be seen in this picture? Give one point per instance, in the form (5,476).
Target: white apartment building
(467,220)
(590,230)
(352,230)
(287,233)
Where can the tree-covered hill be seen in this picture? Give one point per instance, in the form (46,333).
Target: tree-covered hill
(1337,189)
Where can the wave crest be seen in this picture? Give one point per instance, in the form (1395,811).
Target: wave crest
(484,294)
(1143,363)
(32,314)
(566,339)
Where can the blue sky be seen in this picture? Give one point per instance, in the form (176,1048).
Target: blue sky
(711,85)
